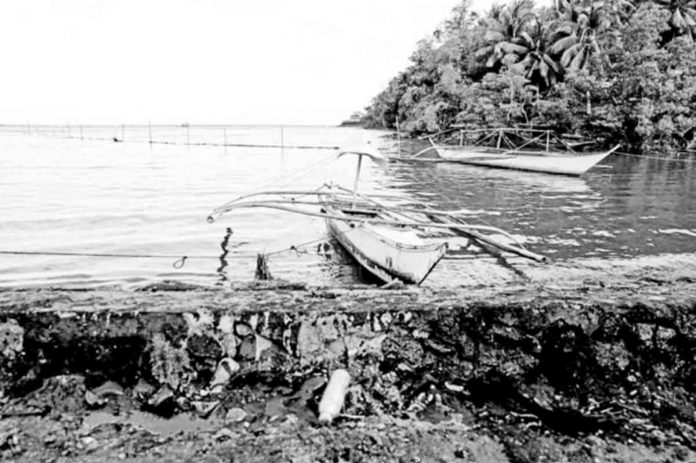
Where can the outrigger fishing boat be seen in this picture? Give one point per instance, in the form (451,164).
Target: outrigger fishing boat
(515,148)
(390,242)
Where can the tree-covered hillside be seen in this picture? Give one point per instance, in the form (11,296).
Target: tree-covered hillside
(618,70)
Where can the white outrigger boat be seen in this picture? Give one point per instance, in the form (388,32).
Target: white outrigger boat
(534,154)
(387,241)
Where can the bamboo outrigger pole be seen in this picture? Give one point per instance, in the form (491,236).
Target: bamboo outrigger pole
(470,232)
(375,221)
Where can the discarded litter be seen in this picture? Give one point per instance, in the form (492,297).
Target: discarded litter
(334,396)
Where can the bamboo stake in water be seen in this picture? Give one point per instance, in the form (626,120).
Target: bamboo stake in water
(398,135)
(149,126)
(224,134)
(82,137)
(123,132)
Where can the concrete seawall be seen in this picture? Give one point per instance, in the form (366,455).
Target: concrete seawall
(612,358)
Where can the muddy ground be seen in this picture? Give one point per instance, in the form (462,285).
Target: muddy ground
(594,367)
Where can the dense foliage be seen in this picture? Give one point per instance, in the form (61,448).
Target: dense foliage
(618,70)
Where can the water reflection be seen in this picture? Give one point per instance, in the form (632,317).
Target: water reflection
(223,257)
(137,198)
(617,209)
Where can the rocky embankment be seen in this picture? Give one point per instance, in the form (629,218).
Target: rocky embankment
(597,370)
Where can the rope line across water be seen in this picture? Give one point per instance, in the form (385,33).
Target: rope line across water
(245,145)
(178,263)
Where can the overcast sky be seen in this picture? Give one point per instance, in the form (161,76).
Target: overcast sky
(204,61)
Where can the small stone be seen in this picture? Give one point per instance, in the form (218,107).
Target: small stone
(90,443)
(262,345)
(275,408)
(235,415)
(204,409)
(162,402)
(143,389)
(386,319)
(199,323)
(453,387)
(11,339)
(226,324)
(658,436)
(109,388)
(594,441)
(223,434)
(290,419)
(225,369)
(681,453)
(230,344)
(93,400)
(371,345)
(310,387)
(376,325)
(243,330)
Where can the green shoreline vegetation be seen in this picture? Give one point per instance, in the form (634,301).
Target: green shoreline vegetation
(616,71)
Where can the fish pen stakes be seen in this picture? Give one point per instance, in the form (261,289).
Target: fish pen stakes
(153,134)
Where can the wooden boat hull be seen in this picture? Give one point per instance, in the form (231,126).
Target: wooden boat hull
(387,252)
(547,162)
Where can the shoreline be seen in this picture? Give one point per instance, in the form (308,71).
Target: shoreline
(592,368)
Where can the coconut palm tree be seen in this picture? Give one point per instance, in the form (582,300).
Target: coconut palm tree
(535,58)
(619,11)
(578,31)
(503,26)
(682,18)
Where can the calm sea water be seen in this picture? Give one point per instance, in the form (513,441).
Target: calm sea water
(66,190)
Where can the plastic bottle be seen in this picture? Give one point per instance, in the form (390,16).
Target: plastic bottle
(332,401)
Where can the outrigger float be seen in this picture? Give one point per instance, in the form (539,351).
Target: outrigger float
(390,242)
(514,148)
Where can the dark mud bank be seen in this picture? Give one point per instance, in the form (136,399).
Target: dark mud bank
(618,361)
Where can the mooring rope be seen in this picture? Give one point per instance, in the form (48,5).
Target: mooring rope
(179,261)
(284,179)
(296,248)
(97,254)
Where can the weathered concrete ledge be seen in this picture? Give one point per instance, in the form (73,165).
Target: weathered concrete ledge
(615,358)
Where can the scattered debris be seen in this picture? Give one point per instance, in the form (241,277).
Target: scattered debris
(334,396)
(541,374)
